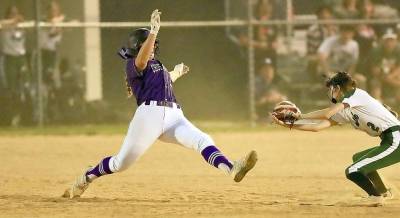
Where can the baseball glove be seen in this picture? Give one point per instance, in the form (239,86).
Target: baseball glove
(286,112)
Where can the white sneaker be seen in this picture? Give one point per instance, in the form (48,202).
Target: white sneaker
(244,165)
(370,201)
(80,185)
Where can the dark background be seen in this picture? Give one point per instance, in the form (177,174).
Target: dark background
(216,86)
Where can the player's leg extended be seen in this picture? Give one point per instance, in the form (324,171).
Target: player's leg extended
(144,129)
(189,136)
(388,153)
(185,133)
(373,176)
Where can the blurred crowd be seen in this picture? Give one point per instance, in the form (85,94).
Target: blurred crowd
(370,52)
(62,92)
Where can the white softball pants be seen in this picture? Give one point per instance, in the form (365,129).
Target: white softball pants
(152,122)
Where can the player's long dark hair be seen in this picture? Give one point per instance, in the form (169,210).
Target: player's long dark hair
(343,80)
(391,110)
(128,88)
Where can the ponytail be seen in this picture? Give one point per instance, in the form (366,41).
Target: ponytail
(128,88)
(342,79)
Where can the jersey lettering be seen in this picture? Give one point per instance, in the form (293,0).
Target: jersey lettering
(156,67)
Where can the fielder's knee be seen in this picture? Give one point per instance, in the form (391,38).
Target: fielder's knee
(351,175)
(346,172)
(354,176)
(351,171)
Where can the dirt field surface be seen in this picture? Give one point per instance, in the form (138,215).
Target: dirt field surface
(298,175)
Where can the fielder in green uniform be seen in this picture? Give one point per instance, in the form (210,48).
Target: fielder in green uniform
(355,106)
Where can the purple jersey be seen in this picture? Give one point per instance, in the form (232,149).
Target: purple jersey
(153,83)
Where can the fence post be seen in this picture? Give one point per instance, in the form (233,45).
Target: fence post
(39,63)
(250,56)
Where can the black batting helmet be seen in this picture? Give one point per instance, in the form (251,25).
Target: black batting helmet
(135,42)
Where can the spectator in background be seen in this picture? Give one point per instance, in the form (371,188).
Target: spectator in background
(339,52)
(235,11)
(68,99)
(385,68)
(366,34)
(347,10)
(50,38)
(267,93)
(316,34)
(374,9)
(266,61)
(280,9)
(383,11)
(266,36)
(264,42)
(13,50)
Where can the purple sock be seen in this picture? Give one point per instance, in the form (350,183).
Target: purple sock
(103,168)
(214,156)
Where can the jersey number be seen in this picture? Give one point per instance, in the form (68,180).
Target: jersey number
(356,118)
(373,127)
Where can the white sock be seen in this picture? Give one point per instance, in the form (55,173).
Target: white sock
(224,168)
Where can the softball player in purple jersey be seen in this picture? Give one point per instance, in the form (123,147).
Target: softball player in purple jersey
(158,115)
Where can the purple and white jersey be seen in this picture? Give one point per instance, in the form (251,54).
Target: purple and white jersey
(153,83)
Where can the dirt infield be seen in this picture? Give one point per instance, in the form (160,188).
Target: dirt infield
(298,175)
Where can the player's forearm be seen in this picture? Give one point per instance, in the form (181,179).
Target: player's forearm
(323,124)
(305,127)
(174,74)
(323,114)
(145,52)
(320,114)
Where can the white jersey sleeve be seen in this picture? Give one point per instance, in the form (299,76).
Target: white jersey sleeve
(353,101)
(340,117)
